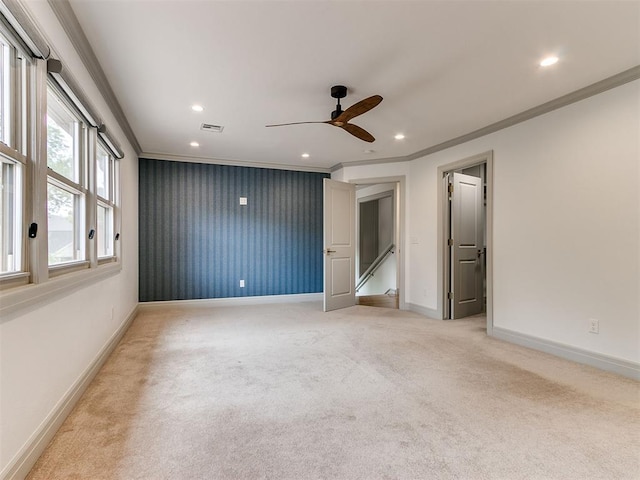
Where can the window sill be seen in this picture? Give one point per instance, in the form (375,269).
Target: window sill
(66,268)
(19,300)
(12,280)
(106,260)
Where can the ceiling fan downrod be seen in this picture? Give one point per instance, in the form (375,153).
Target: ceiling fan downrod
(338,91)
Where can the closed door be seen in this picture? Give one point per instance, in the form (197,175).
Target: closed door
(339,245)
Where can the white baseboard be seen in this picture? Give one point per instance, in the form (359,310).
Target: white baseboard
(23,462)
(235,301)
(427,312)
(598,360)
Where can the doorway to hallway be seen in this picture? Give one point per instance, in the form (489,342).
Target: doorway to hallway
(465,233)
(376,259)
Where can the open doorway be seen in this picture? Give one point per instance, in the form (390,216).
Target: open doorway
(379,233)
(376,259)
(466,238)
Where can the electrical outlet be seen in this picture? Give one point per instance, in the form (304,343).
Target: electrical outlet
(594,326)
(241,283)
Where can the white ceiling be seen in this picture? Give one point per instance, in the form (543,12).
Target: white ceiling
(444,68)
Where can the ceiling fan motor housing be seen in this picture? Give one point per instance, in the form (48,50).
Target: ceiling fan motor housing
(338,91)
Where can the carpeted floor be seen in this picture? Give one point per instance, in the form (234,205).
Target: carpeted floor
(288,392)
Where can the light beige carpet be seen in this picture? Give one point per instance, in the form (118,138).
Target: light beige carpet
(288,392)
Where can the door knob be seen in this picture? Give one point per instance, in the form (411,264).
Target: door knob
(328,251)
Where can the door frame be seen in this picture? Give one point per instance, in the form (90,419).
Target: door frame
(443,219)
(376,196)
(399,207)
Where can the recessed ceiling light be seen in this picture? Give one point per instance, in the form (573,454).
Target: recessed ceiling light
(194,144)
(547,62)
(305,155)
(399,136)
(197,108)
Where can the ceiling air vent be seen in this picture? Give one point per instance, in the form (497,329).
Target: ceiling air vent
(208,127)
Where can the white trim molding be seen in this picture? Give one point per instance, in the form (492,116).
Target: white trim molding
(233,301)
(585,357)
(234,163)
(22,463)
(427,312)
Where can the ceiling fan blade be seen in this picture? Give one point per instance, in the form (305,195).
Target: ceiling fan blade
(294,123)
(359,132)
(363,106)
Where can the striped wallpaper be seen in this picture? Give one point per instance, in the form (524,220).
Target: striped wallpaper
(197,241)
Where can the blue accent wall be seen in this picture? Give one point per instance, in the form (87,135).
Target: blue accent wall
(197,241)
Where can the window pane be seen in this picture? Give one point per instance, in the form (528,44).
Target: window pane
(61,207)
(10,217)
(105,231)
(5,92)
(102,173)
(61,128)
(23,126)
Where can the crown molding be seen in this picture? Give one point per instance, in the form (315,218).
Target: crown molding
(71,26)
(234,163)
(376,161)
(573,97)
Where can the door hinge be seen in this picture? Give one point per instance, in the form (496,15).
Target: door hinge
(449,295)
(450,242)
(451,188)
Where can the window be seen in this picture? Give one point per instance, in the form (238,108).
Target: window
(13,141)
(105,181)
(10,215)
(5,91)
(59,211)
(105,231)
(66,192)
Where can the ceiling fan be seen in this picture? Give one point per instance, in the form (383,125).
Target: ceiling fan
(340,118)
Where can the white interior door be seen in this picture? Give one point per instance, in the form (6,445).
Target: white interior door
(467,297)
(339,245)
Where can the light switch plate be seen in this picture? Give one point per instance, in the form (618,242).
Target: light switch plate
(243,200)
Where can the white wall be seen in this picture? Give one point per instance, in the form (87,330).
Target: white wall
(45,350)
(566,223)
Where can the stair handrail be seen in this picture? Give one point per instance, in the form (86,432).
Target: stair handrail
(368,273)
